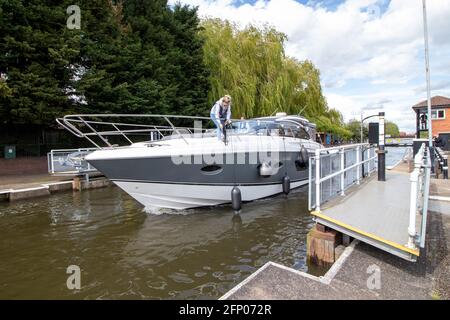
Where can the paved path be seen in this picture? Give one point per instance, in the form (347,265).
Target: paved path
(28,181)
(428,278)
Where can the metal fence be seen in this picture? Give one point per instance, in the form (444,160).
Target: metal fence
(333,170)
(420,186)
(442,161)
(69,161)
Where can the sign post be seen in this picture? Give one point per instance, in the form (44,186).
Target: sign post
(381,150)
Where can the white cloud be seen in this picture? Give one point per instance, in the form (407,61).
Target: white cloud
(374,42)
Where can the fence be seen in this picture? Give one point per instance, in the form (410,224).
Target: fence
(420,186)
(333,170)
(69,161)
(442,161)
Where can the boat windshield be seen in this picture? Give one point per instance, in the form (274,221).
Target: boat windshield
(268,128)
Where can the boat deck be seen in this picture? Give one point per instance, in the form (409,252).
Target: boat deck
(374,212)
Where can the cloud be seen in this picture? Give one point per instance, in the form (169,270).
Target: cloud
(360,46)
(438,85)
(378,105)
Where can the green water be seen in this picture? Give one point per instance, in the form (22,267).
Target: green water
(126,253)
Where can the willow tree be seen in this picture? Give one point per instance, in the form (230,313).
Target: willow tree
(250,64)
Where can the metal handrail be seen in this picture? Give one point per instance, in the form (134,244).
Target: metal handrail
(87,126)
(318,180)
(74,123)
(420,185)
(68,166)
(442,161)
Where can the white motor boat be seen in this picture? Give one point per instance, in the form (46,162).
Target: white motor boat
(187,167)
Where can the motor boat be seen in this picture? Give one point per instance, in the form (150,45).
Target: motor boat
(187,167)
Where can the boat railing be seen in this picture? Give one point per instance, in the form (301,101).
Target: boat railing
(103,133)
(333,170)
(69,161)
(98,130)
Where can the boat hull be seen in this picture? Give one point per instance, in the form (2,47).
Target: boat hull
(185,196)
(155,176)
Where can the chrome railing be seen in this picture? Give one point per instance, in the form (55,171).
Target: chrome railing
(420,186)
(69,161)
(91,126)
(103,133)
(333,170)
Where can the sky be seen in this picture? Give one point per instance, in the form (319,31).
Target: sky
(370,52)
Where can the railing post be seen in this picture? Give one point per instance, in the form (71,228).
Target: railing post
(317,179)
(358,169)
(52,167)
(309,183)
(342,154)
(445,167)
(413,210)
(427,173)
(414,178)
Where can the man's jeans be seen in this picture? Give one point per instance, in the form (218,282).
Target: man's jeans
(217,123)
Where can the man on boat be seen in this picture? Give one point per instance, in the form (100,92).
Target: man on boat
(221,114)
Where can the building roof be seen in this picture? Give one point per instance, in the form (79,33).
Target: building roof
(436,101)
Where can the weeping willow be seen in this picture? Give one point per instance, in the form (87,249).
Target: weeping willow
(251,65)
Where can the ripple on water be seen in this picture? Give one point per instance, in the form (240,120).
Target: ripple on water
(125,251)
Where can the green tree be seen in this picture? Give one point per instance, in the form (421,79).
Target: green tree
(250,64)
(134,56)
(36,49)
(354,126)
(391,129)
(150,59)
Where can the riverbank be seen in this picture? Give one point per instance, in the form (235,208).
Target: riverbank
(20,187)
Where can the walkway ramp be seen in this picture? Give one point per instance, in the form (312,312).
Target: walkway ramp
(375,212)
(390,215)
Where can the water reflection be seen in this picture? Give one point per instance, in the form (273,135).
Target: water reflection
(125,252)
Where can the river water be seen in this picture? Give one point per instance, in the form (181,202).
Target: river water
(125,252)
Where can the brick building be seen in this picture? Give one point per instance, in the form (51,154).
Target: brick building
(440,118)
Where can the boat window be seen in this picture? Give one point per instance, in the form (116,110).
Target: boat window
(303,134)
(269,128)
(295,131)
(255,127)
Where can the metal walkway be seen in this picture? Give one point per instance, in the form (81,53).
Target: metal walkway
(375,212)
(390,215)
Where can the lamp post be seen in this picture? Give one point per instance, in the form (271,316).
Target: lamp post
(381,151)
(427,71)
(361,141)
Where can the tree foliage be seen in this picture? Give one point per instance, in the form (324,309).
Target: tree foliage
(250,64)
(150,60)
(143,56)
(134,56)
(391,129)
(35,51)
(354,126)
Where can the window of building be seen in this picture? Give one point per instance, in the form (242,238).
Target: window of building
(438,114)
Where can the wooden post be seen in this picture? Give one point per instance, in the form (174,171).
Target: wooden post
(76,183)
(321,245)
